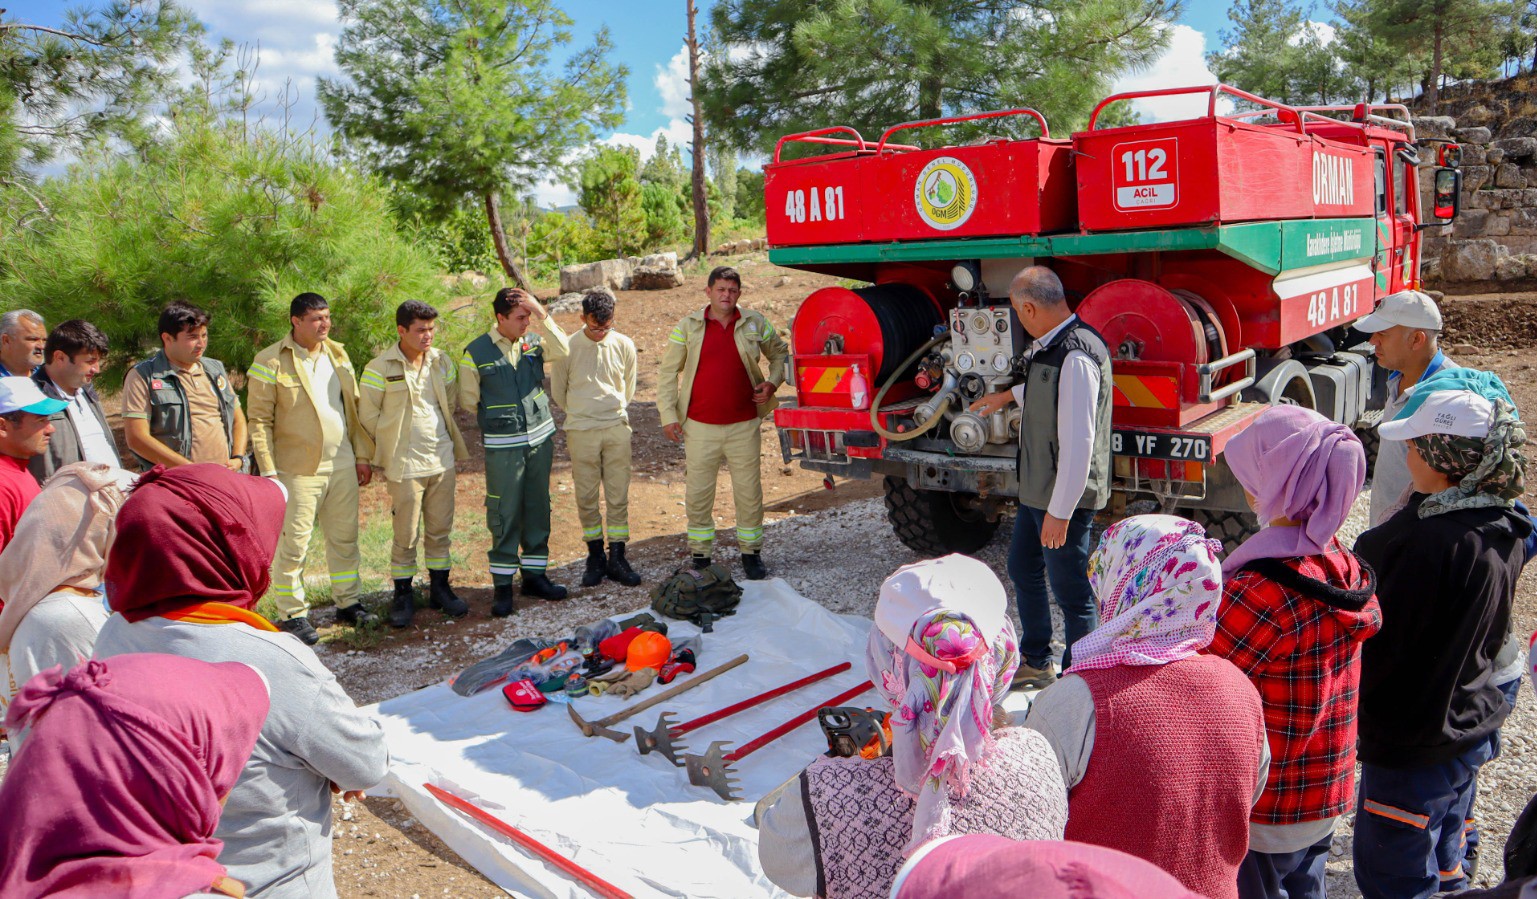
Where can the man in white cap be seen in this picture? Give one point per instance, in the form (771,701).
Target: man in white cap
(1405,330)
(24,433)
(1447,565)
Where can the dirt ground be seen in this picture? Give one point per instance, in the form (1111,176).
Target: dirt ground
(381,851)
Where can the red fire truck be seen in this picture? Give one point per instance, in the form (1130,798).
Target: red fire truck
(1222,258)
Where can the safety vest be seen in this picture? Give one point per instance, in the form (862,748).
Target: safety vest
(169,422)
(514,410)
(1038,449)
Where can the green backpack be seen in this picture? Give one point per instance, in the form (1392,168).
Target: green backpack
(701,596)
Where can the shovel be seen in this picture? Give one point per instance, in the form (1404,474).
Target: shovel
(664,737)
(713,768)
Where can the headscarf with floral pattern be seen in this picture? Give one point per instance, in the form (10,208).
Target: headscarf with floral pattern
(944,683)
(1158,585)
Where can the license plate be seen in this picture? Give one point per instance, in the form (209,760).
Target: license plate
(1155,445)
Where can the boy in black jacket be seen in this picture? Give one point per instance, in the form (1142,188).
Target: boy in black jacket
(1447,566)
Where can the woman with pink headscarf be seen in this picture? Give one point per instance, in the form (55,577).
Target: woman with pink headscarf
(1296,608)
(1162,748)
(50,573)
(118,790)
(941,654)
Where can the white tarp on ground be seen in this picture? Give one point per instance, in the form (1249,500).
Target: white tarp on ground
(633,820)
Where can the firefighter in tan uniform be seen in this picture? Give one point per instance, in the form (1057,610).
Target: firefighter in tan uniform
(302,407)
(716,413)
(406,407)
(595,384)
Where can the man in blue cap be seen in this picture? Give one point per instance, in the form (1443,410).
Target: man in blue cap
(24,433)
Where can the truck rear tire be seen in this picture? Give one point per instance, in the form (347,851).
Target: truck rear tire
(935,523)
(1232,528)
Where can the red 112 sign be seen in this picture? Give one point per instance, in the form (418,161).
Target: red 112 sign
(1145,174)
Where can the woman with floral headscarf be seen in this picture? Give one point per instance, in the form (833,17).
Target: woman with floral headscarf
(1430,708)
(50,572)
(941,654)
(1162,748)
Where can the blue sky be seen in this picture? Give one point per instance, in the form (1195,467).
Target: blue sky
(297,37)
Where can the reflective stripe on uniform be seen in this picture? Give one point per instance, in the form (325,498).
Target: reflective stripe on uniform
(372,379)
(1396,814)
(261,373)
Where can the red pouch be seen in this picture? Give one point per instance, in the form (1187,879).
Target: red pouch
(682,663)
(618,646)
(524,696)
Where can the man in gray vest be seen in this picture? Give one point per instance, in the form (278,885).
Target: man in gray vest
(178,405)
(76,351)
(1064,468)
(501,377)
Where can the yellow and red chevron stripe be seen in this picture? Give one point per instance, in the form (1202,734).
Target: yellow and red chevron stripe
(822,378)
(1147,391)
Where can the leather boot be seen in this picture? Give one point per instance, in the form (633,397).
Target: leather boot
(501,600)
(539,584)
(618,566)
(597,564)
(442,596)
(701,562)
(753,567)
(403,603)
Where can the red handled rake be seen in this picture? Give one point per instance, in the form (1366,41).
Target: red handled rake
(664,737)
(713,768)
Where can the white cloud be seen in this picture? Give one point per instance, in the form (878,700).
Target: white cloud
(671,84)
(296,40)
(1322,32)
(1182,64)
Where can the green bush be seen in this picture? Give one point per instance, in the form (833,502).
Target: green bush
(237,221)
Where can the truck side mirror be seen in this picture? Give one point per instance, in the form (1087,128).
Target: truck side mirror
(1448,193)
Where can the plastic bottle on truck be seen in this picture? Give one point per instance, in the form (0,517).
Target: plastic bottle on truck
(859,389)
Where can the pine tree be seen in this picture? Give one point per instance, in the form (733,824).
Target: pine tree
(792,65)
(1453,37)
(1261,57)
(460,98)
(610,194)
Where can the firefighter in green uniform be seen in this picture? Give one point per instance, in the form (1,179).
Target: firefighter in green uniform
(501,377)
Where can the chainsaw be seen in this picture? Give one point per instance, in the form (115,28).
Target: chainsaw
(853,731)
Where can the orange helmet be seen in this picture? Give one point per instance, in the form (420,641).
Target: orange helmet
(648,650)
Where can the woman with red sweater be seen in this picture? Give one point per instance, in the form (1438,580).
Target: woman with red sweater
(1162,748)
(1296,608)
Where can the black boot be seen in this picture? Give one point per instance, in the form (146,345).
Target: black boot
(539,584)
(618,566)
(442,596)
(752,566)
(596,564)
(357,615)
(701,563)
(501,600)
(403,603)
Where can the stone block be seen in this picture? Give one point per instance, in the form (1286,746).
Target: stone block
(1494,156)
(566,302)
(1430,269)
(1477,115)
(1474,177)
(611,273)
(1472,260)
(1522,126)
(1497,225)
(659,260)
(1472,154)
(1474,135)
(1521,222)
(1470,224)
(1436,127)
(1508,175)
(1511,268)
(655,277)
(1516,148)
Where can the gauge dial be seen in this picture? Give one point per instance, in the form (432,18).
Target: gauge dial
(964,362)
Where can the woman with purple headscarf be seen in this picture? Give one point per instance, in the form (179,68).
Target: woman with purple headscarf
(1296,608)
(941,655)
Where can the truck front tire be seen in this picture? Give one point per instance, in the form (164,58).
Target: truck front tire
(935,523)
(1232,528)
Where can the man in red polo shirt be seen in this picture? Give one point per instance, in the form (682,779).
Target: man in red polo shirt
(24,433)
(716,413)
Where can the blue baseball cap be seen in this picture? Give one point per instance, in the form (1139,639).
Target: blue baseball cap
(18,394)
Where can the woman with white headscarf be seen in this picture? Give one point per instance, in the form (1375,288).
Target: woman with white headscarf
(50,573)
(1162,748)
(941,654)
